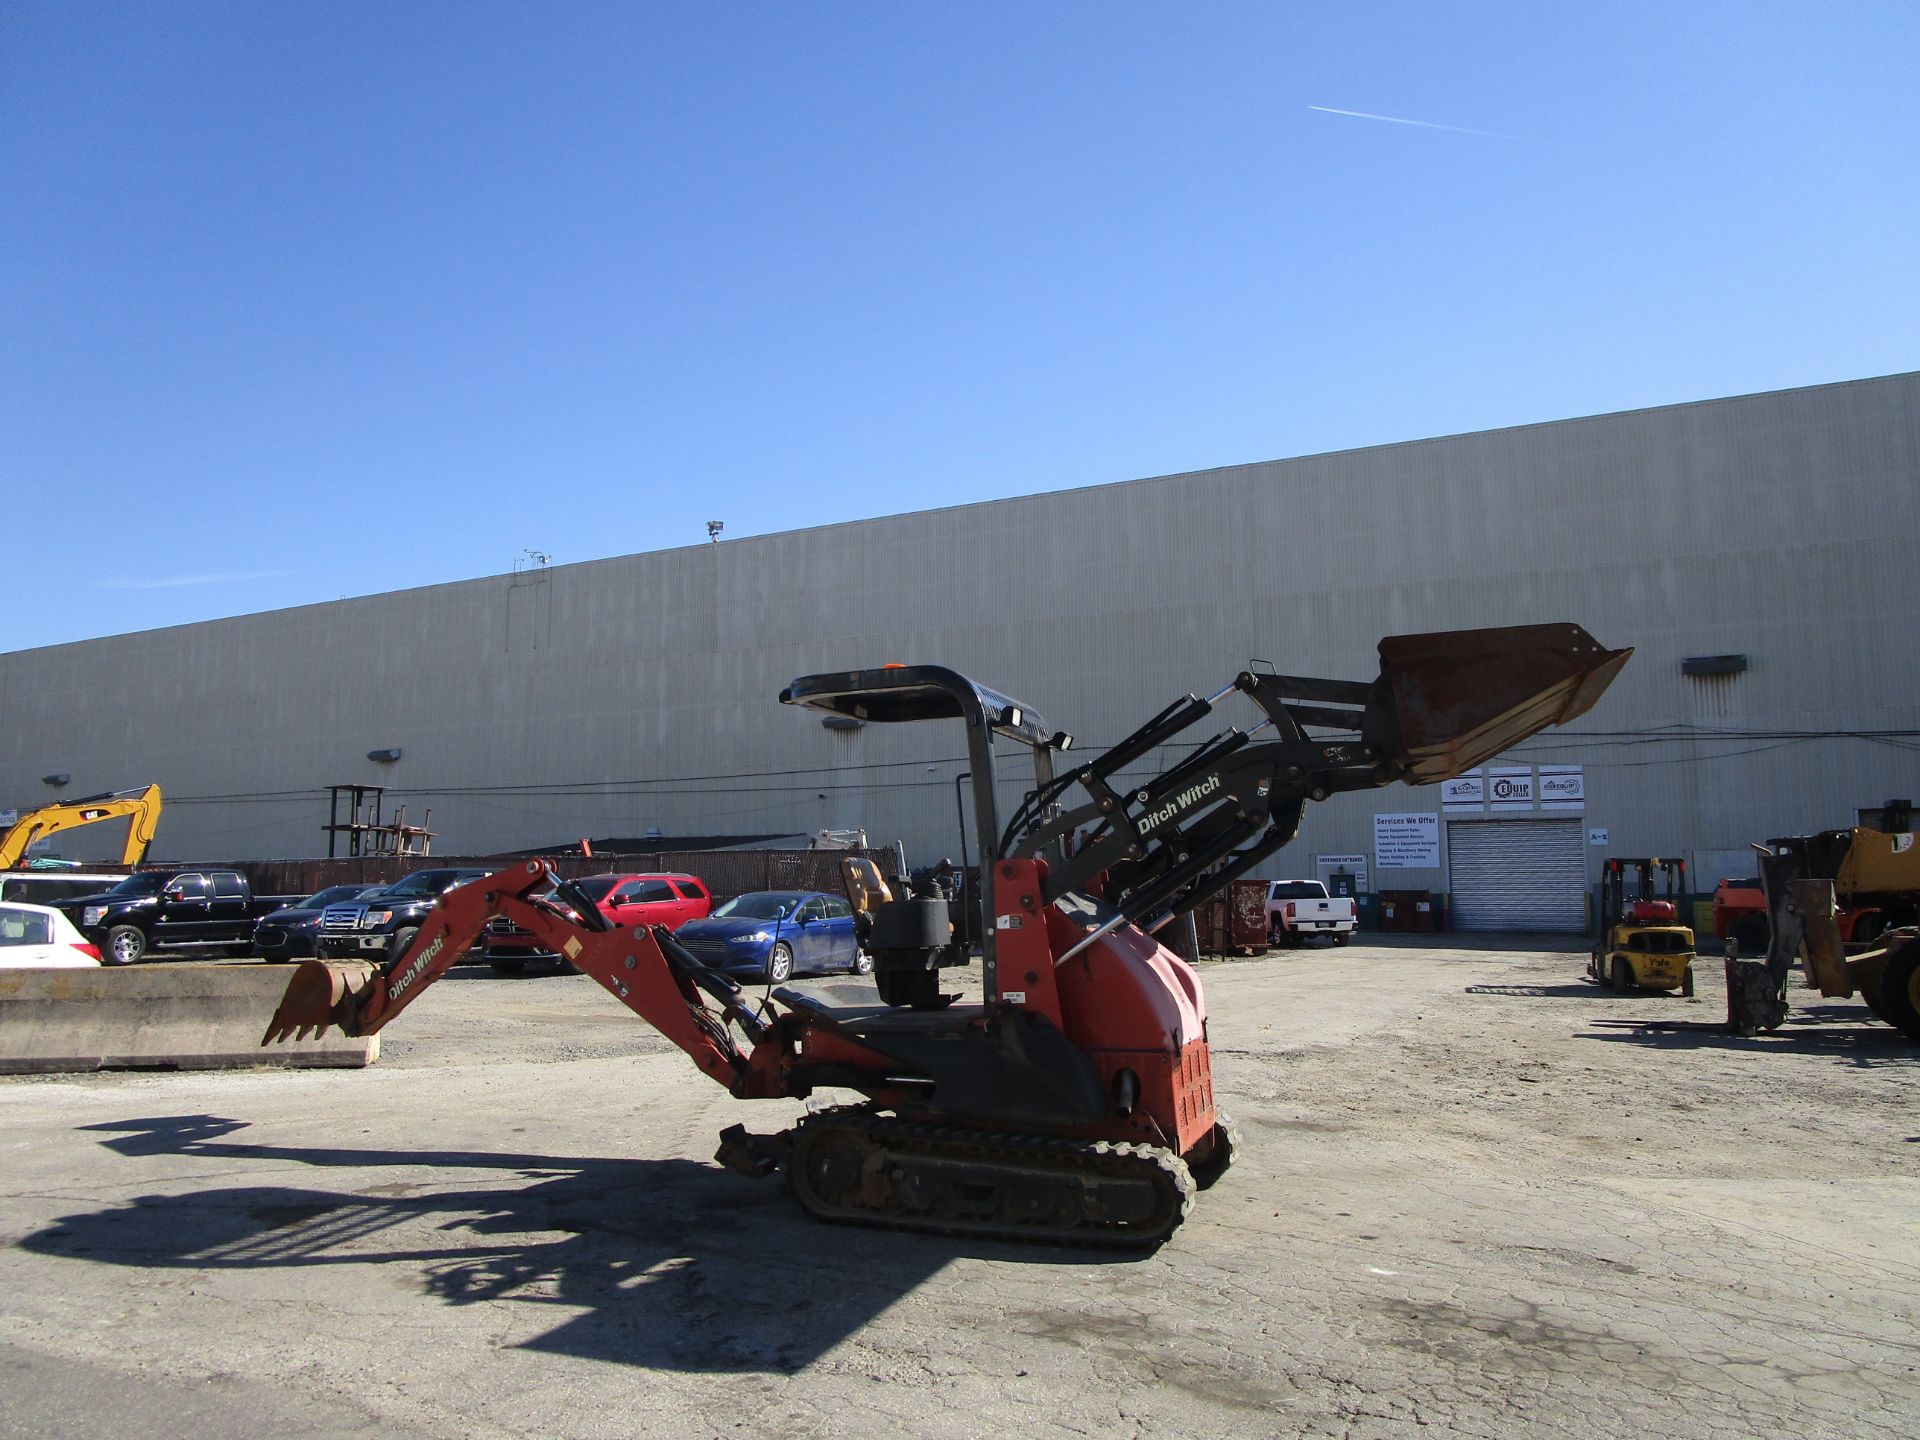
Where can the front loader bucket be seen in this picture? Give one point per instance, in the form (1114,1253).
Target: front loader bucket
(321,993)
(1461,697)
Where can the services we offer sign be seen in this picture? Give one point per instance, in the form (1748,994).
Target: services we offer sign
(1406,842)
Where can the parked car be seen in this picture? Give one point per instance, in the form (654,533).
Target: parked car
(39,937)
(775,934)
(1298,908)
(382,928)
(165,909)
(294,932)
(629,900)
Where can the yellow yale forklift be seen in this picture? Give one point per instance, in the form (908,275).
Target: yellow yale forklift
(1642,944)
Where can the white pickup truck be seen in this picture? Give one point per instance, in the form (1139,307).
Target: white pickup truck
(1298,908)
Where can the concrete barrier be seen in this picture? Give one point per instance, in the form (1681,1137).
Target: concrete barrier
(173,1016)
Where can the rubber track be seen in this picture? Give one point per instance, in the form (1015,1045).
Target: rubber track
(1075,1157)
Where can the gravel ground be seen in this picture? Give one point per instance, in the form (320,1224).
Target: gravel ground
(1475,1197)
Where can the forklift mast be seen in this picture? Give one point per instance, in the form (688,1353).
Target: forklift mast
(1641,890)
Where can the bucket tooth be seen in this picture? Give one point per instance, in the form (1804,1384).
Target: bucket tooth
(319,994)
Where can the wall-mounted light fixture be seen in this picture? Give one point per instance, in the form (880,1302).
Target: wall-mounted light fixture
(384,757)
(1701,666)
(59,777)
(714,527)
(840,722)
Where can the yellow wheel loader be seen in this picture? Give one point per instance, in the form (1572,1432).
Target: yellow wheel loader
(1819,891)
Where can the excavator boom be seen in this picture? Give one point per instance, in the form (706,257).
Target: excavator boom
(141,806)
(645,969)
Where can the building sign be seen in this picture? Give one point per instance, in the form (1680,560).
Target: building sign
(1464,792)
(1354,865)
(1562,787)
(1598,836)
(9,817)
(1406,842)
(1510,787)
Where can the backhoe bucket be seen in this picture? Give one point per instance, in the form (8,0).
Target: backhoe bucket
(321,993)
(1462,697)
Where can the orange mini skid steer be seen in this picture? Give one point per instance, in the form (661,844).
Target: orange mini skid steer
(1074,1101)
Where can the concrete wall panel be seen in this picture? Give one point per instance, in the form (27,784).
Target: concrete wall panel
(640,691)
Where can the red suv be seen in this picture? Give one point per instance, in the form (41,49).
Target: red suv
(669,900)
(629,900)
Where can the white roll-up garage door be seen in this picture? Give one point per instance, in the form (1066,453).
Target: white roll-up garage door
(1517,875)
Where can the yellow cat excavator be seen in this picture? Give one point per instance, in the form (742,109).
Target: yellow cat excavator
(141,806)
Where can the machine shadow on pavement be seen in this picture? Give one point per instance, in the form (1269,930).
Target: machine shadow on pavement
(676,1265)
(1838,1031)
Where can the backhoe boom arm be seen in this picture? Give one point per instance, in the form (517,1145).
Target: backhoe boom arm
(645,969)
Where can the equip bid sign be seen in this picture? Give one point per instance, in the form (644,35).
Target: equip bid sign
(1406,842)
(1510,787)
(1515,789)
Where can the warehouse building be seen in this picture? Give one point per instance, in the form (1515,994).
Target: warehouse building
(1756,552)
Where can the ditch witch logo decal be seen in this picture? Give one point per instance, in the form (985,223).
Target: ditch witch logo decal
(404,982)
(1179,804)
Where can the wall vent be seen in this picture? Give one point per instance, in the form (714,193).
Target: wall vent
(1703,665)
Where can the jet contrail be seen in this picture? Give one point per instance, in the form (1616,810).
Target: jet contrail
(1423,124)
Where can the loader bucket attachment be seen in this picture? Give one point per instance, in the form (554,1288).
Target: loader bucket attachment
(1461,697)
(320,994)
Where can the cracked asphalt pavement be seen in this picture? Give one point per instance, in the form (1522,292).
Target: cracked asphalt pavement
(1475,1196)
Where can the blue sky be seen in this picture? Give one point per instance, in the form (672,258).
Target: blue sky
(311,300)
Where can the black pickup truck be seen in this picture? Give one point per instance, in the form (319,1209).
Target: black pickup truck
(382,928)
(164,909)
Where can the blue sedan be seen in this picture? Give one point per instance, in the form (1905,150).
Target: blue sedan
(776,934)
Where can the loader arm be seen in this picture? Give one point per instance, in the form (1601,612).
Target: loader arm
(645,969)
(141,806)
(1441,704)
